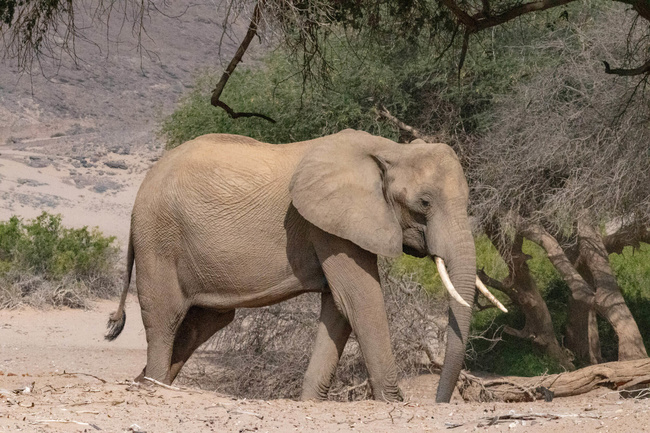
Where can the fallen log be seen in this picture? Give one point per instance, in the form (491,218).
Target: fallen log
(623,376)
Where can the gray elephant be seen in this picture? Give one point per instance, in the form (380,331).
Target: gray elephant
(225,222)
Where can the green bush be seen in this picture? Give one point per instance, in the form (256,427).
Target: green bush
(42,262)
(301,112)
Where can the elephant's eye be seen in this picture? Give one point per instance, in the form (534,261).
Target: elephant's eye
(424,203)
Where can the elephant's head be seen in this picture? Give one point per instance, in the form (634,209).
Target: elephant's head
(389,198)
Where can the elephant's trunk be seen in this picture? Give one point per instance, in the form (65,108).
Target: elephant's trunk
(455,245)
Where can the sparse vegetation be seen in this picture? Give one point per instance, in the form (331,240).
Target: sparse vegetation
(264,352)
(44,263)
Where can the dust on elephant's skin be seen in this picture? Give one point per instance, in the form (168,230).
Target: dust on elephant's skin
(225,222)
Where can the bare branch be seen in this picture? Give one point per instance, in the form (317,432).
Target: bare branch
(558,258)
(614,375)
(469,22)
(483,21)
(630,235)
(383,112)
(486,8)
(641,70)
(499,285)
(216,93)
(463,52)
(519,333)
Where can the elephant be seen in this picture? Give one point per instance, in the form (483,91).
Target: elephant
(225,222)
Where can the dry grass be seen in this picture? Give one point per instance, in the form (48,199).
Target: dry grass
(18,289)
(264,352)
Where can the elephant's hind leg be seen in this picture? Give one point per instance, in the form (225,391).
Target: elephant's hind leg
(199,325)
(163,308)
(333,333)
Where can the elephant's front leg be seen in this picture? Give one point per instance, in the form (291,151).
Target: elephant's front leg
(333,333)
(353,278)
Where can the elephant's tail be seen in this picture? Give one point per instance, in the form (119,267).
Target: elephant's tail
(118,318)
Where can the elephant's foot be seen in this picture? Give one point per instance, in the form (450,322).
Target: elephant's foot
(390,394)
(318,393)
(140,378)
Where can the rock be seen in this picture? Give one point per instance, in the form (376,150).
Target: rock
(116,164)
(38,162)
(121,150)
(29,182)
(106,184)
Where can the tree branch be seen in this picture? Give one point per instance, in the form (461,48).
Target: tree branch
(641,70)
(631,235)
(579,287)
(619,376)
(483,21)
(216,93)
(463,52)
(383,112)
(486,8)
(466,20)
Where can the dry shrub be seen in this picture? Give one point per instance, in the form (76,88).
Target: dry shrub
(19,289)
(572,142)
(264,352)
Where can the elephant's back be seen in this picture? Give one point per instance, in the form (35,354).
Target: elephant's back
(214,185)
(229,157)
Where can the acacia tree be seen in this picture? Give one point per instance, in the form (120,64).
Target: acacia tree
(568,159)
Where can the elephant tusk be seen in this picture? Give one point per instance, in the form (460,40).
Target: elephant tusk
(444,276)
(484,290)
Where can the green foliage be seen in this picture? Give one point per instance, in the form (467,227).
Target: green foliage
(514,356)
(301,113)
(520,359)
(367,69)
(42,250)
(43,246)
(511,356)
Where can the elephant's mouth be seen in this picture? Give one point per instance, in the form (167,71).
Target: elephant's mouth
(413,252)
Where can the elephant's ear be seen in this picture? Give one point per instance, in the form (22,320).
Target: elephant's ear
(338,187)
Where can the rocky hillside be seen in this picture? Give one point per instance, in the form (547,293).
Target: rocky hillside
(77,135)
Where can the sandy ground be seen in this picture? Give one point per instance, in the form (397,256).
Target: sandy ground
(58,374)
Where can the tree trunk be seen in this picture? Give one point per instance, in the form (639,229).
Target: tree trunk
(609,300)
(624,376)
(582,329)
(521,288)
